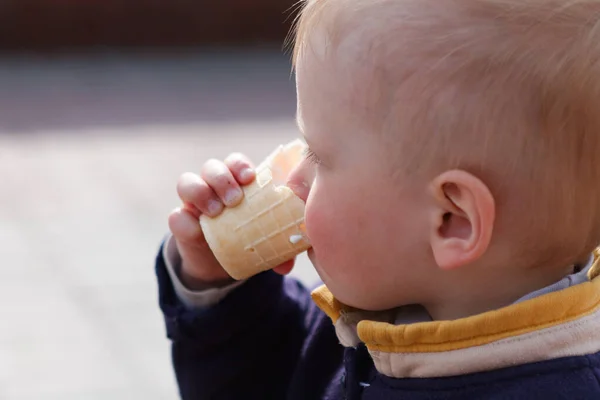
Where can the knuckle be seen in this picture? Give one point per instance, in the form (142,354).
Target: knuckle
(223,179)
(236,159)
(211,165)
(199,191)
(185,180)
(193,191)
(214,171)
(180,227)
(182,180)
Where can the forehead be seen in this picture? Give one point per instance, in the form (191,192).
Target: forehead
(335,86)
(320,88)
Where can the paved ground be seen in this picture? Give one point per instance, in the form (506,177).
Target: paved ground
(90,150)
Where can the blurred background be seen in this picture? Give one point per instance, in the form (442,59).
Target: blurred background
(103,104)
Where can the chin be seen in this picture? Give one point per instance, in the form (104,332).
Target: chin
(330,283)
(356,303)
(341,294)
(322,274)
(315,262)
(313,259)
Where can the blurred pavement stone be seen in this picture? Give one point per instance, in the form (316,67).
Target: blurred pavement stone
(82,212)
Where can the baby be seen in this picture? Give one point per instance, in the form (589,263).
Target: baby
(453,206)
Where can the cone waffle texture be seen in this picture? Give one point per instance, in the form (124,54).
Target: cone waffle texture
(255,236)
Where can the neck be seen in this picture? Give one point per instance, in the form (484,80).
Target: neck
(464,296)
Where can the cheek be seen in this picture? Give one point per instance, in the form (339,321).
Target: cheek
(357,248)
(332,225)
(320,220)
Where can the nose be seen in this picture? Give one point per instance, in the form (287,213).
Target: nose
(301,178)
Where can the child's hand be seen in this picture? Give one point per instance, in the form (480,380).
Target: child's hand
(217,186)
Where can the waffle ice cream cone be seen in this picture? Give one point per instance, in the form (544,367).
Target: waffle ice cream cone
(267,227)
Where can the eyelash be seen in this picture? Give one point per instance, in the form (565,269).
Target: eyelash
(311,157)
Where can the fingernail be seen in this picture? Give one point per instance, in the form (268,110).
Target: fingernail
(247,174)
(214,207)
(233,196)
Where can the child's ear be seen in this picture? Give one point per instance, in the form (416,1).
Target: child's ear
(462,218)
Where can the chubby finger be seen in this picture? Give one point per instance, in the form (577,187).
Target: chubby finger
(193,190)
(192,209)
(241,168)
(221,180)
(185,227)
(286,267)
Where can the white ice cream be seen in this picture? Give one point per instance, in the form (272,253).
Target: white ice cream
(295,239)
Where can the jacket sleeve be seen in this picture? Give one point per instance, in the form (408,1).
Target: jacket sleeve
(199,298)
(245,346)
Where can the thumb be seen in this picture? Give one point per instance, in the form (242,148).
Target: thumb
(185,227)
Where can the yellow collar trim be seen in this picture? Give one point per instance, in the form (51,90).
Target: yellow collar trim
(541,312)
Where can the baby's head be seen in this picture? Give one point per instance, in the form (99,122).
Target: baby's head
(453,147)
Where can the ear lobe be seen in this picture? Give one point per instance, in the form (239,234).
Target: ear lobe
(462,220)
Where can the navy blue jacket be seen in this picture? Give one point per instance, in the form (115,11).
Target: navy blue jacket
(268,340)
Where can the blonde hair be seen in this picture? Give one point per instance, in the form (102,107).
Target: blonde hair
(507,89)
